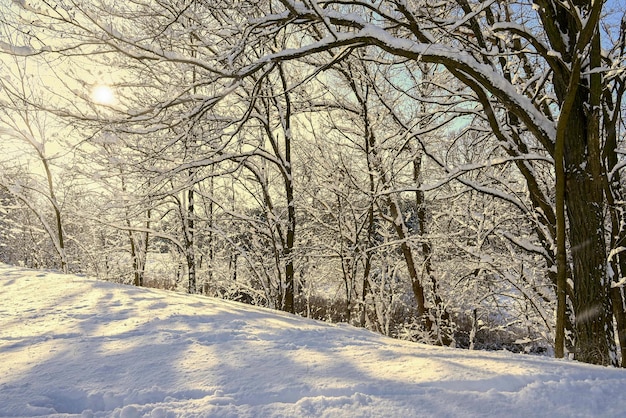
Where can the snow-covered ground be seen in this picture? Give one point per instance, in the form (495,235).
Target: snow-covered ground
(75,346)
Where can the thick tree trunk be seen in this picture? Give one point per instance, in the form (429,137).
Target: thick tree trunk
(592,305)
(585,204)
(578,87)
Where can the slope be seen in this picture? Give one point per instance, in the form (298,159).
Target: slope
(74,346)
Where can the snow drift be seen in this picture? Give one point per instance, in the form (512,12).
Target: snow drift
(73,346)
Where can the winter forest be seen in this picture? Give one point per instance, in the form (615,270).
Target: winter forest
(445,172)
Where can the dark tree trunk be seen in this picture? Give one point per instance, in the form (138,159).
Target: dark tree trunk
(366,289)
(579,128)
(137,272)
(619,311)
(58,219)
(210,237)
(288,250)
(585,204)
(371,229)
(290,279)
(137,279)
(416,285)
(189,241)
(441,314)
(617,213)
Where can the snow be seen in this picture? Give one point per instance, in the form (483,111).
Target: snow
(431,51)
(74,346)
(20,51)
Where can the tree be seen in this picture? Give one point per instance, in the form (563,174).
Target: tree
(567,60)
(25,131)
(542,76)
(273,112)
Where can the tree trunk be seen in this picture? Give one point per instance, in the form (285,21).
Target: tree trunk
(290,284)
(561,248)
(585,204)
(189,241)
(418,290)
(618,241)
(133,254)
(210,236)
(442,316)
(57,215)
(144,249)
(579,97)
(137,276)
(371,229)
(366,288)
(619,311)
(290,279)
(614,194)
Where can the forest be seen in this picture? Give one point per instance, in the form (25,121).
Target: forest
(443,172)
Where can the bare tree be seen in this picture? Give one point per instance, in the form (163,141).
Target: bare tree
(535,71)
(27,132)
(568,59)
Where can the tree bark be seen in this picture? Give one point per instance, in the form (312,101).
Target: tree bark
(371,228)
(579,125)
(585,204)
(189,232)
(57,215)
(617,213)
(290,279)
(442,316)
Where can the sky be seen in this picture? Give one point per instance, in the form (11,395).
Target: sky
(72,346)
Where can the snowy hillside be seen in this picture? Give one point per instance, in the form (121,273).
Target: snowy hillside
(71,346)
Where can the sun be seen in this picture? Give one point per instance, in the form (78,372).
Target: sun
(103,94)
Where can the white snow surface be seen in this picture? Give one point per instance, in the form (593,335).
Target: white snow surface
(74,346)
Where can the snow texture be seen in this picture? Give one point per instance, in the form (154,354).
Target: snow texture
(73,346)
